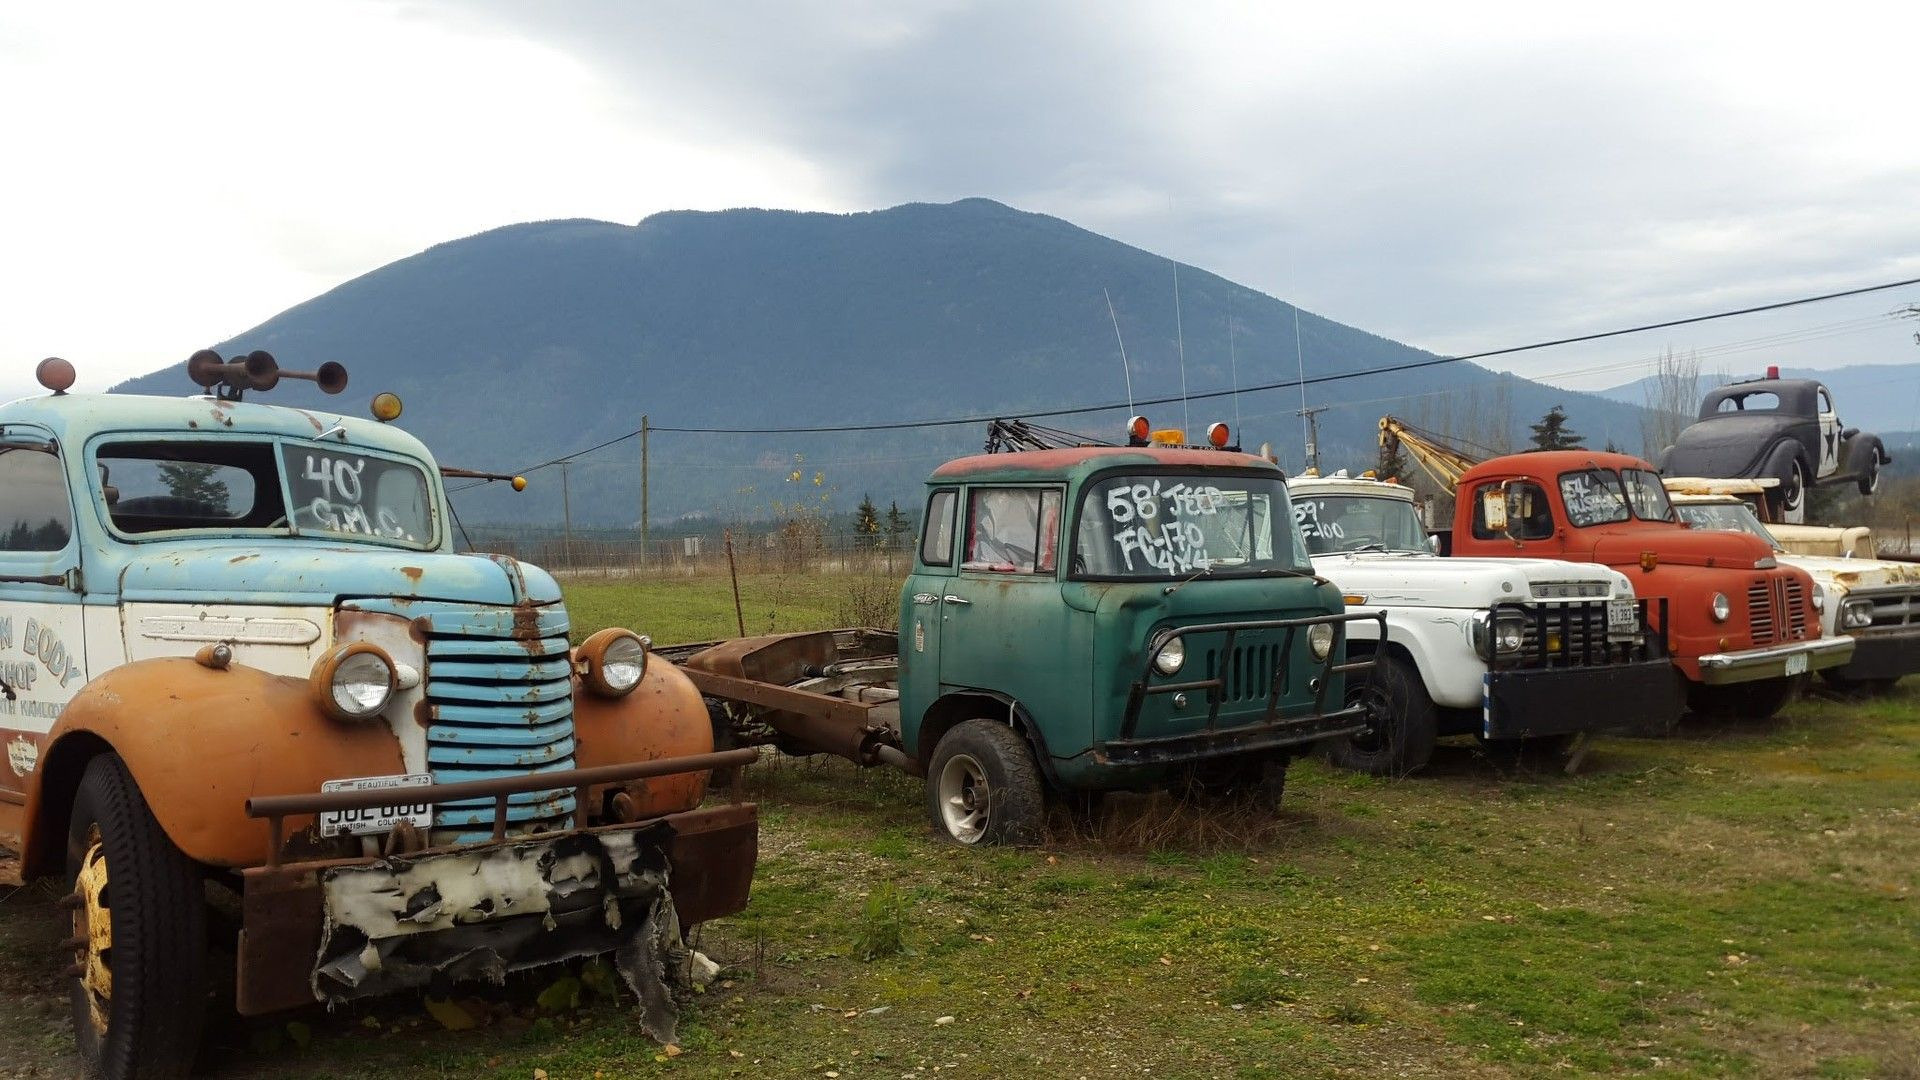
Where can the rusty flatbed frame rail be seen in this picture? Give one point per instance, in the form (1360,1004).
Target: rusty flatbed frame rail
(275,808)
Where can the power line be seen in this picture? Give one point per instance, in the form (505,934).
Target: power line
(959,421)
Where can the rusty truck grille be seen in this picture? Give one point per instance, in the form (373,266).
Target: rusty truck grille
(499,700)
(1760,614)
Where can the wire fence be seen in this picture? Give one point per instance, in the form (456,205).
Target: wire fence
(760,548)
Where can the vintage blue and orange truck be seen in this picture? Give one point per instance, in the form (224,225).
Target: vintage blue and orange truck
(238,649)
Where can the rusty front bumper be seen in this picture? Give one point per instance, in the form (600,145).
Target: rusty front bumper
(340,929)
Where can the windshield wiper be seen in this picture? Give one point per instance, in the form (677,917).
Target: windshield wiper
(1176,587)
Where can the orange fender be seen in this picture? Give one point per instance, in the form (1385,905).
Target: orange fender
(199,742)
(665,716)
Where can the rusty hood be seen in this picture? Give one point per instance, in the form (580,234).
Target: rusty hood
(1682,547)
(320,574)
(1857,574)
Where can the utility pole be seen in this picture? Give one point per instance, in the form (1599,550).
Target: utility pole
(645,429)
(1313,434)
(566,509)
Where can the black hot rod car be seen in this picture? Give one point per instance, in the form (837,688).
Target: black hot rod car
(1780,428)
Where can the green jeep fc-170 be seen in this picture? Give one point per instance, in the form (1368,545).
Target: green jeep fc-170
(1078,619)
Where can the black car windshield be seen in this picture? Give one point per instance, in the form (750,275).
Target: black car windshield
(1726,517)
(1593,497)
(1335,523)
(1168,525)
(154,487)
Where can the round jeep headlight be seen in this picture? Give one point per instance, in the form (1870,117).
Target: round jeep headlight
(1320,640)
(614,660)
(1171,657)
(353,681)
(1720,606)
(1819,597)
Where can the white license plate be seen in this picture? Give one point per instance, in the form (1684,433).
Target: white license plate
(376,819)
(1797,664)
(1621,617)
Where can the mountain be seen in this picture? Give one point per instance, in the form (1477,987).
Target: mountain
(1882,398)
(526,342)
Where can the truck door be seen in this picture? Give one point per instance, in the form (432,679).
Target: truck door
(922,611)
(1829,436)
(42,645)
(1005,623)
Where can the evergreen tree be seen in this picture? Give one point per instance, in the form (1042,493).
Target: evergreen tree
(1392,464)
(897,523)
(866,520)
(1552,432)
(195,483)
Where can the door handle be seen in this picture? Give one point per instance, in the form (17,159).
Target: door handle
(961,600)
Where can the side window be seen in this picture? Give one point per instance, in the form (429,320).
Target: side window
(35,514)
(1529,513)
(936,534)
(1012,530)
(1826,402)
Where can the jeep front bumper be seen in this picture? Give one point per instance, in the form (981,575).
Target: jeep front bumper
(1775,661)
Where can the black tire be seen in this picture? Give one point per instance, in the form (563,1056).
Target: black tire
(1870,476)
(153,903)
(1405,725)
(1743,701)
(984,788)
(1790,498)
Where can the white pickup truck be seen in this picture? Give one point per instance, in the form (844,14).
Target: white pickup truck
(1876,602)
(1508,650)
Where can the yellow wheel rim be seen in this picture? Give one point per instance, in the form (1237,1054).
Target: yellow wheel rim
(93,930)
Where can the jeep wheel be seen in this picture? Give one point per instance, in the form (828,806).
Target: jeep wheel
(1742,701)
(983,786)
(1404,725)
(139,934)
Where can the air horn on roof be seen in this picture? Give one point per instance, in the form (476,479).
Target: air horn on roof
(257,371)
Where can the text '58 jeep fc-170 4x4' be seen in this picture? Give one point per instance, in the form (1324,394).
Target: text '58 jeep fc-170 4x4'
(1509,650)
(1079,619)
(239,649)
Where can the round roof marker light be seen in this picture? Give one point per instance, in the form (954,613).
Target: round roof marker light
(519,483)
(1139,430)
(386,407)
(55,374)
(1218,435)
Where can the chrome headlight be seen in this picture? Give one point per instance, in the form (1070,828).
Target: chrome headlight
(353,681)
(1509,633)
(1320,640)
(613,661)
(1856,614)
(1720,606)
(1819,597)
(1171,656)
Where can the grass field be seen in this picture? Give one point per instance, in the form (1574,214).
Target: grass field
(1733,901)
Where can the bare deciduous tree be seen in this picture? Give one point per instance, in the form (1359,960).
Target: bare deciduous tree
(1671,396)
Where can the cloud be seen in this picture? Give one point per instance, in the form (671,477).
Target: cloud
(1454,177)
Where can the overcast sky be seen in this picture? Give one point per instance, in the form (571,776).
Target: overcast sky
(1455,177)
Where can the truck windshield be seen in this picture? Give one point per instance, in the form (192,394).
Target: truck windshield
(1726,517)
(166,486)
(1593,497)
(1335,523)
(1167,525)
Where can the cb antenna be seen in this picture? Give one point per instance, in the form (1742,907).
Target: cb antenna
(1124,373)
(1180,339)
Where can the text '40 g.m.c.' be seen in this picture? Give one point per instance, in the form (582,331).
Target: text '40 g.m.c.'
(238,648)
